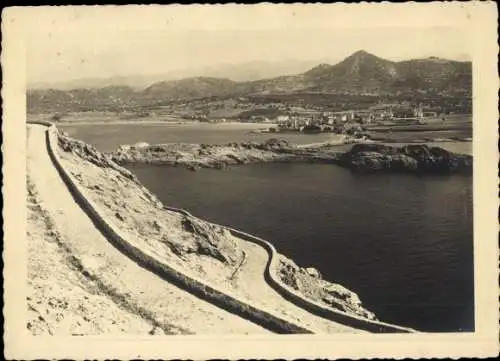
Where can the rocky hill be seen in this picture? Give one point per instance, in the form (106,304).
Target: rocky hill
(361,73)
(81,99)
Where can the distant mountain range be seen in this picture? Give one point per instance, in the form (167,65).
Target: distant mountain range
(248,71)
(361,73)
(365,73)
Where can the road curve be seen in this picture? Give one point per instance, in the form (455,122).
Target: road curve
(260,254)
(255,285)
(170,306)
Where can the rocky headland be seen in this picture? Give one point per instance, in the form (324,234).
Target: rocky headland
(414,158)
(194,156)
(363,156)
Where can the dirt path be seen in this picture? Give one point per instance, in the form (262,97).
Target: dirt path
(107,273)
(252,278)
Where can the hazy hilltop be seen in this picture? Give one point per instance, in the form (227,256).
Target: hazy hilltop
(132,81)
(190,88)
(257,70)
(361,73)
(242,72)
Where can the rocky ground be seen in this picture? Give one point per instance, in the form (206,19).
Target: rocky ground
(198,247)
(364,155)
(190,243)
(195,156)
(61,300)
(308,281)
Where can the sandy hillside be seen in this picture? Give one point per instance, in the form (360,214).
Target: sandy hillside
(61,299)
(80,284)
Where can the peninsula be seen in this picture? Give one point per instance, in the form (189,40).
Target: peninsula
(413,158)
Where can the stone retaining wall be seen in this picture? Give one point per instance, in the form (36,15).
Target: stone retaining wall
(190,283)
(272,278)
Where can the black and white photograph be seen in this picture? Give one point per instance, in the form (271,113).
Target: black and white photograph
(260,175)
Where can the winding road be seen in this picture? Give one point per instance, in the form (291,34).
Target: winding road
(255,286)
(169,305)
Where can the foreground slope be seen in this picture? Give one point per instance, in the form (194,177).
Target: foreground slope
(130,298)
(61,300)
(145,302)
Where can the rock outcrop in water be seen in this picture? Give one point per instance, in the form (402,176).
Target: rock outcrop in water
(195,156)
(409,158)
(371,157)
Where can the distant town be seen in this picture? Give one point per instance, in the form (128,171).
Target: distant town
(298,117)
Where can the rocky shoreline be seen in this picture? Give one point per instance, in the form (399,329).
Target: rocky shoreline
(363,156)
(194,156)
(414,158)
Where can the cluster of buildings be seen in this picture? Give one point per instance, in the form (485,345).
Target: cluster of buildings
(296,118)
(375,114)
(203,118)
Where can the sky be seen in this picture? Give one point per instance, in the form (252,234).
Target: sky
(86,44)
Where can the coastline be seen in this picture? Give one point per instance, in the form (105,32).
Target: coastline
(146,121)
(364,155)
(403,134)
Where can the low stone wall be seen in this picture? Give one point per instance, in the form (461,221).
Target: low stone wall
(271,275)
(41,122)
(316,308)
(190,283)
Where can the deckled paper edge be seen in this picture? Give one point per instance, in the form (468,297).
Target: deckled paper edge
(479,18)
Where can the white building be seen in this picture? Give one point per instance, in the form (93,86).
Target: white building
(280,119)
